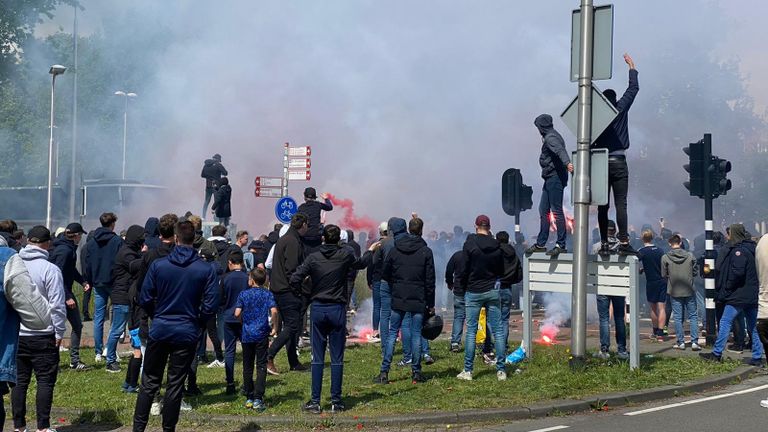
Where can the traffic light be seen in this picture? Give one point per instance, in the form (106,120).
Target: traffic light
(526,198)
(699,153)
(516,197)
(718,176)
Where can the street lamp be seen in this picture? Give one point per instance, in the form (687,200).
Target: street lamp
(125,122)
(54,70)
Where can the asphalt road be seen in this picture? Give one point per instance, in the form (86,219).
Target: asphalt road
(733,409)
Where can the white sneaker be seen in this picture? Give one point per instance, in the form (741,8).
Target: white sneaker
(104,352)
(465,375)
(215,364)
(764,403)
(99,358)
(185,406)
(501,376)
(680,346)
(62,348)
(695,347)
(157,407)
(603,355)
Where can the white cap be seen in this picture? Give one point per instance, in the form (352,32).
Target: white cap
(343,237)
(383,227)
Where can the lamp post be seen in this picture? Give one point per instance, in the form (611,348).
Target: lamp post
(125,122)
(54,70)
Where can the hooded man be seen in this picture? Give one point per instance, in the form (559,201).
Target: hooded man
(212,172)
(615,138)
(7,228)
(312,208)
(555,166)
(152,233)
(678,266)
(222,203)
(513,273)
(126,270)
(375,290)
(737,286)
(396,230)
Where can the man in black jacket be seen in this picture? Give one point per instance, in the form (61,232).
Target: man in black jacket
(125,270)
(409,268)
(485,265)
(312,208)
(99,259)
(212,172)
(222,203)
(513,273)
(555,166)
(328,269)
(616,139)
(453,271)
(288,256)
(64,255)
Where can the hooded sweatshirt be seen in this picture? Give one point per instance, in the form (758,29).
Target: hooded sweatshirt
(180,294)
(152,233)
(736,281)
(100,257)
(64,256)
(312,210)
(454,271)
(678,266)
(409,268)
(222,203)
(513,270)
(288,256)
(127,265)
(328,269)
(554,158)
(485,263)
(47,277)
(615,137)
(212,172)
(761,255)
(396,230)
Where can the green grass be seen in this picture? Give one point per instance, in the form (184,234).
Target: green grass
(546,377)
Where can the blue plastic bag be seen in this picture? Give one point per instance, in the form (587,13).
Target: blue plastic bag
(516,356)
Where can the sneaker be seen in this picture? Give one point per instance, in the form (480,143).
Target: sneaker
(428,360)
(312,407)
(501,376)
(622,355)
(338,406)
(735,348)
(602,355)
(192,391)
(249,404)
(555,251)
(130,389)
(62,348)
(99,358)
(157,408)
(535,249)
(87,318)
(299,368)
(215,364)
(711,357)
(113,367)
(680,346)
(231,390)
(465,375)
(418,377)
(374,338)
(695,346)
(755,362)
(382,378)
(605,250)
(185,406)
(455,348)
(764,403)
(79,366)
(104,352)
(489,359)
(258,405)
(404,363)
(625,249)
(665,331)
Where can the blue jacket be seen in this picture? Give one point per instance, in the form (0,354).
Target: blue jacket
(736,279)
(232,285)
(100,257)
(64,255)
(616,137)
(180,293)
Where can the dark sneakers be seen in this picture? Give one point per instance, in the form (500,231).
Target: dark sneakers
(418,377)
(735,348)
(534,249)
(312,407)
(192,391)
(555,251)
(382,378)
(299,368)
(338,406)
(711,357)
(625,249)
(605,250)
(113,367)
(231,390)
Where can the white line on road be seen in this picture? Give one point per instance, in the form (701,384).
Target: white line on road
(553,428)
(695,401)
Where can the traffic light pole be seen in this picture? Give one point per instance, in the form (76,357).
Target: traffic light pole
(582,190)
(709,254)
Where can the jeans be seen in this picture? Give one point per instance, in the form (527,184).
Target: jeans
(551,200)
(212,329)
(76,322)
(231,336)
(729,314)
(290,307)
(398,316)
(223,220)
(618,181)
(689,303)
(459,314)
(474,302)
(384,314)
(100,316)
(739,334)
(119,320)
(179,358)
(38,355)
(406,334)
(604,312)
(255,351)
(505,296)
(329,330)
(209,191)
(376,295)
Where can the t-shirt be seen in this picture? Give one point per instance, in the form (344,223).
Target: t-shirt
(650,256)
(255,304)
(234,283)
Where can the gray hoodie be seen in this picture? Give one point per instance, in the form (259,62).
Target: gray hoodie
(47,277)
(678,266)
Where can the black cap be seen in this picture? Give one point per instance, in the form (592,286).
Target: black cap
(39,234)
(217,157)
(310,192)
(75,228)
(257,244)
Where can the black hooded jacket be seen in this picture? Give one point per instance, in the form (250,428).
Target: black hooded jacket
(312,210)
(615,137)
(328,269)
(100,257)
(513,271)
(152,233)
(127,265)
(409,268)
(148,258)
(485,263)
(454,271)
(222,203)
(554,158)
(212,172)
(12,243)
(289,254)
(396,227)
(64,255)
(736,280)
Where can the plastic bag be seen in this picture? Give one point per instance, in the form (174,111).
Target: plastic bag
(480,338)
(516,356)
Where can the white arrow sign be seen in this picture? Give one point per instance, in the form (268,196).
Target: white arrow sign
(300,151)
(268,182)
(299,175)
(299,163)
(269,192)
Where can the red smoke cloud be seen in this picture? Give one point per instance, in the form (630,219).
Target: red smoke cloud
(349,220)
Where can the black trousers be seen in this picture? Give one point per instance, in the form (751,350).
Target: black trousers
(762,330)
(87,302)
(76,322)
(213,333)
(255,352)
(618,181)
(290,310)
(178,358)
(38,354)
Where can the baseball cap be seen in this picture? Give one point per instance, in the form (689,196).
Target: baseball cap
(75,228)
(39,234)
(217,157)
(310,192)
(483,221)
(383,227)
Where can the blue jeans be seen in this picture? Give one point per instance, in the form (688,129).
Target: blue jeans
(407,334)
(232,332)
(209,191)
(729,314)
(604,312)
(551,200)
(474,302)
(384,314)
(394,326)
(505,296)
(119,320)
(689,303)
(459,315)
(376,294)
(329,326)
(99,316)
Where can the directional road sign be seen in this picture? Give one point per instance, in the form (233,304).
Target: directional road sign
(299,163)
(285,208)
(268,192)
(268,182)
(300,151)
(602,60)
(299,175)
(603,113)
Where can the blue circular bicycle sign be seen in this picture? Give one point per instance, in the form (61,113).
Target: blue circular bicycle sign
(285,208)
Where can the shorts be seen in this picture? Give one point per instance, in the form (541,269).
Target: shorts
(656,292)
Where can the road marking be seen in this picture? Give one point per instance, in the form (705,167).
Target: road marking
(695,401)
(553,428)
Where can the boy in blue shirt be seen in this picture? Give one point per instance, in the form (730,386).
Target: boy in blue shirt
(655,285)
(253,308)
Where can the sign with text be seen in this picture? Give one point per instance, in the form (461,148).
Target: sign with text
(268,192)
(300,151)
(299,175)
(268,182)
(299,163)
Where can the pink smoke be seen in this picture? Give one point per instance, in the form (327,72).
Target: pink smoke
(350,220)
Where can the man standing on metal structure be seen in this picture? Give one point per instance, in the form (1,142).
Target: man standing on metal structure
(616,139)
(212,172)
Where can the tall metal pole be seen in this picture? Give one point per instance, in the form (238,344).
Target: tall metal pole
(285,169)
(582,189)
(73,166)
(125,132)
(49,195)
